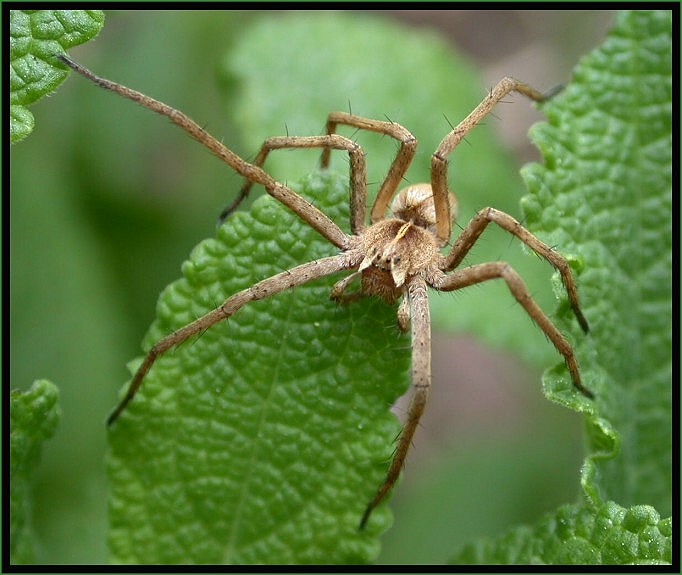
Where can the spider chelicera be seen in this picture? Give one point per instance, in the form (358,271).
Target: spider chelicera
(396,257)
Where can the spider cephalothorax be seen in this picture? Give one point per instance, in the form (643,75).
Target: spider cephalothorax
(395,257)
(395,248)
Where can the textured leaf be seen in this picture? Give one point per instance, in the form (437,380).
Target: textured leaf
(604,196)
(576,534)
(263,440)
(34,415)
(35,37)
(608,151)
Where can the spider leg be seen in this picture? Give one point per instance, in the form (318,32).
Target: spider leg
(479,222)
(297,204)
(439,161)
(402,160)
(261,290)
(491,270)
(421,382)
(358,172)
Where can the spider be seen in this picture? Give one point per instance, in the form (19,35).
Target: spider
(396,257)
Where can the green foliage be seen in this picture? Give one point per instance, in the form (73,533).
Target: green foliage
(614,165)
(577,534)
(178,457)
(604,196)
(263,440)
(34,415)
(612,170)
(35,36)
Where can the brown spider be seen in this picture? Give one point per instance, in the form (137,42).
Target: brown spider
(396,257)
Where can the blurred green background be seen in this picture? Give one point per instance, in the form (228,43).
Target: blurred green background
(107,200)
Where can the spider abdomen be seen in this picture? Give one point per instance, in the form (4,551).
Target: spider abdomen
(415,204)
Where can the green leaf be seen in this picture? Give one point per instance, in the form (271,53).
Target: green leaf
(35,37)
(577,534)
(604,197)
(263,440)
(34,415)
(608,149)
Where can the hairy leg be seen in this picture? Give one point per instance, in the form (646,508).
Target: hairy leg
(421,383)
(439,160)
(467,238)
(402,160)
(261,290)
(297,204)
(487,271)
(358,172)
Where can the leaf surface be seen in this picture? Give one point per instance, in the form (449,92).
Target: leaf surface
(34,415)
(35,37)
(578,534)
(608,149)
(604,196)
(263,440)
